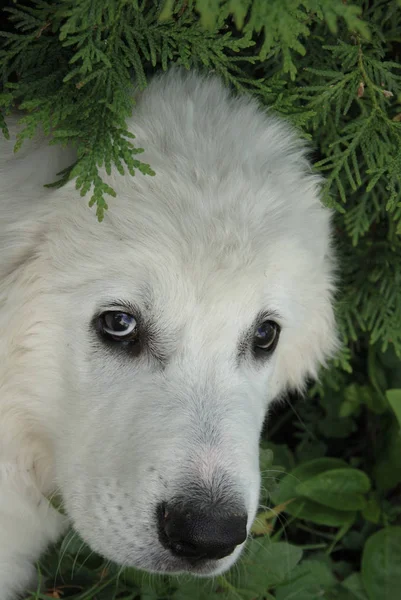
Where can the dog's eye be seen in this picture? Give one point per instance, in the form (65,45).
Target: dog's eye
(118,325)
(266,336)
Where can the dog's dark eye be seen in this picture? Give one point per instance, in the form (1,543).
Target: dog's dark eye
(118,325)
(266,336)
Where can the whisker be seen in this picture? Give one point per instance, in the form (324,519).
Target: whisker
(73,535)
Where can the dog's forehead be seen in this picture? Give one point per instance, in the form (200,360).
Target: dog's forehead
(219,262)
(167,285)
(171,273)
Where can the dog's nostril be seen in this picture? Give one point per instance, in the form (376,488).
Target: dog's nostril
(200,535)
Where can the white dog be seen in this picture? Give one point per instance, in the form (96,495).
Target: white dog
(138,356)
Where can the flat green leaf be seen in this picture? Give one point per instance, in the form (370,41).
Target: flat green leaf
(310,579)
(305,508)
(321,515)
(381,564)
(372,510)
(339,593)
(354,584)
(265,565)
(201,589)
(387,470)
(315,467)
(282,455)
(394,398)
(341,489)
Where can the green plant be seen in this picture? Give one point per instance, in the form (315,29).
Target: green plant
(330,526)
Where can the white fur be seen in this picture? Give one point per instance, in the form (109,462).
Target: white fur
(231,225)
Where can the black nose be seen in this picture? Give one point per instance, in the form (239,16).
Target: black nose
(196,535)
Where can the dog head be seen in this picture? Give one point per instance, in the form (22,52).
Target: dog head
(158,338)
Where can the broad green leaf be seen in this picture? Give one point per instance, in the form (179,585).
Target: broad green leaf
(265,565)
(339,593)
(310,579)
(315,467)
(381,564)
(341,489)
(354,584)
(321,515)
(305,508)
(201,589)
(387,470)
(282,455)
(372,510)
(394,398)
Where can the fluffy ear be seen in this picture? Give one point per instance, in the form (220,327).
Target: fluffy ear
(312,343)
(23,197)
(309,335)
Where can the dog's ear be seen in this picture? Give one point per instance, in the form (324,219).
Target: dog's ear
(314,344)
(23,201)
(307,272)
(311,338)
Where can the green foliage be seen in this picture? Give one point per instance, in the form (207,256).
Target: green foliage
(394,399)
(304,504)
(381,564)
(329,525)
(284,23)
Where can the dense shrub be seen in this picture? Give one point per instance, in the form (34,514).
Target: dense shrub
(331,462)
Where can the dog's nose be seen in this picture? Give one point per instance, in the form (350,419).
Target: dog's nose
(196,535)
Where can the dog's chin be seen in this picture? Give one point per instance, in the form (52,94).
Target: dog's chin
(178,566)
(158,560)
(140,548)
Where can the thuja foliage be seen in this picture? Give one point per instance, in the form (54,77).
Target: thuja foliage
(332,462)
